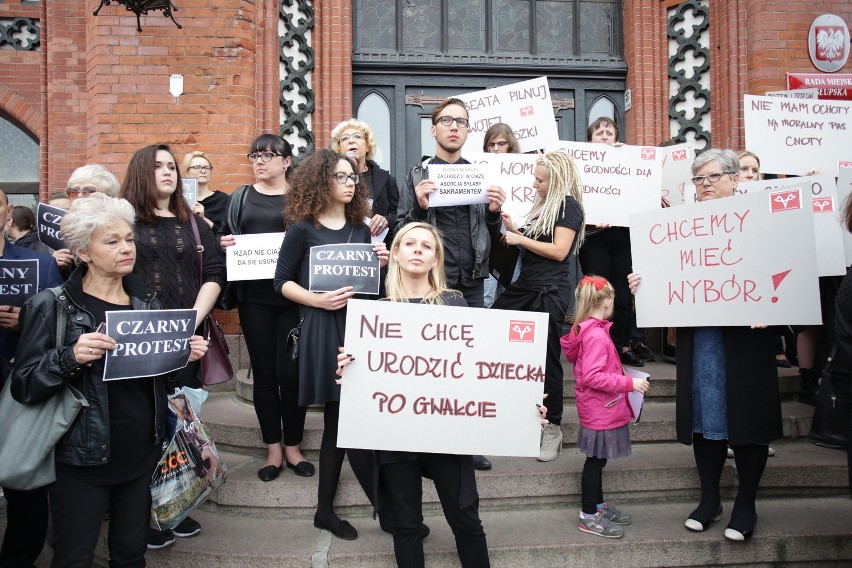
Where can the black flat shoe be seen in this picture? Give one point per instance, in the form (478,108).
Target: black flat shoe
(696,525)
(302,469)
(343,529)
(481,463)
(783,363)
(629,358)
(269,472)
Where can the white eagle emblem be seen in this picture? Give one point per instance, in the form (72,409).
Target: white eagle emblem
(831,43)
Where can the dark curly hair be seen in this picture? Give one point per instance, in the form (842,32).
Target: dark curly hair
(310,190)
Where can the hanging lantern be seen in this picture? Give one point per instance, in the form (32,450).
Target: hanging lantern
(140,7)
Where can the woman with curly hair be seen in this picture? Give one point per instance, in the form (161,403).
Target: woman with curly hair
(327,203)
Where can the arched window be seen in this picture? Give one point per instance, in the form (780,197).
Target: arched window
(374,110)
(19,163)
(602,107)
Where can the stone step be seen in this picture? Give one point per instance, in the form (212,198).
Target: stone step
(233,423)
(654,473)
(790,532)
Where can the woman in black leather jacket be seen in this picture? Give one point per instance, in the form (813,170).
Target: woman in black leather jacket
(109,453)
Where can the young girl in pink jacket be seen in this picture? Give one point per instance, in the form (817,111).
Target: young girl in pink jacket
(601,391)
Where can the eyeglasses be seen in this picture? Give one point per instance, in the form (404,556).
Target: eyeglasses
(198,168)
(448,120)
(712,178)
(341,177)
(495,145)
(74,192)
(347,137)
(264,156)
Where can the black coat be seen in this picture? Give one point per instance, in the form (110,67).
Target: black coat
(385,195)
(754,405)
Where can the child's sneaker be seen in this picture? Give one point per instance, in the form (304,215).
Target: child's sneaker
(613,515)
(600,526)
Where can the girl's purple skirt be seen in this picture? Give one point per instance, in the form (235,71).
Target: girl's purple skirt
(608,444)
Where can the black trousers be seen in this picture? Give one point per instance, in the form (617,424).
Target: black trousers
(26,527)
(78,512)
(473,295)
(401,485)
(276,376)
(592,484)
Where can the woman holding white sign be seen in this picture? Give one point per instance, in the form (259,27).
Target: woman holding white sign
(326,205)
(105,459)
(553,232)
(727,387)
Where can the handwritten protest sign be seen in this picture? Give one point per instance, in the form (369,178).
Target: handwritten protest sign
(798,136)
(253,256)
(148,342)
(822,193)
(190,190)
(844,193)
(335,266)
(514,174)
(676,171)
(48,219)
(617,180)
(457,184)
(740,260)
(525,106)
(18,281)
(442,379)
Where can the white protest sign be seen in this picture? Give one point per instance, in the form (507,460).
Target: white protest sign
(457,184)
(795,94)
(676,170)
(190,191)
(347,264)
(48,220)
(513,173)
(253,256)
(821,191)
(797,136)
(742,260)
(148,342)
(442,379)
(844,192)
(18,280)
(616,180)
(525,106)
(376,239)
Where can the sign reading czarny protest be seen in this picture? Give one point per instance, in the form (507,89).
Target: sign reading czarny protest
(457,184)
(148,342)
(513,173)
(351,264)
(442,379)
(794,136)
(190,191)
(525,106)
(253,256)
(616,180)
(742,260)
(48,219)
(676,168)
(18,281)
(821,192)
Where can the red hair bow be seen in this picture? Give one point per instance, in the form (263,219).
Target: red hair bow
(596,281)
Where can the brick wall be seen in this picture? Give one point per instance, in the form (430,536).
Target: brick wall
(332,78)
(646,57)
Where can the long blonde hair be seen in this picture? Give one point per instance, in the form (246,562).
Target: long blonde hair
(437,278)
(564,182)
(591,293)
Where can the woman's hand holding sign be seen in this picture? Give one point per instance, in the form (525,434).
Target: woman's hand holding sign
(92,346)
(197,347)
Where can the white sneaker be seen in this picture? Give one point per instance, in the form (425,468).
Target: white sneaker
(551,443)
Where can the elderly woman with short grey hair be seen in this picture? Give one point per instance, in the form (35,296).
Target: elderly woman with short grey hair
(92,178)
(106,458)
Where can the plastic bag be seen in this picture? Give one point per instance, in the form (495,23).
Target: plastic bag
(188,471)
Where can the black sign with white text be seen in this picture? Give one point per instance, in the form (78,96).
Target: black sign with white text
(18,281)
(336,266)
(48,218)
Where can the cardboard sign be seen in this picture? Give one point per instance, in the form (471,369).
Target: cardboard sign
(742,260)
(442,379)
(525,106)
(844,193)
(18,281)
(253,256)
(190,191)
(821,191)
(335,266)
(149,342)
(457,184)
(617,180)
(48,219)
(514,174)
(676,171)
(798,136)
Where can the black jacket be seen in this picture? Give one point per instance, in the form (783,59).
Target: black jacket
(42,369)
(385,195)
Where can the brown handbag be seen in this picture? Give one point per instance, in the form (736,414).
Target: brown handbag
(215,365)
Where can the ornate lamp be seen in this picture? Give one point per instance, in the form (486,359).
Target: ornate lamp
(140,7)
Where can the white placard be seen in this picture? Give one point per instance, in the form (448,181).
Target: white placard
(525,106)
(616,180)
(514,174)
(822,193)
(795,94)
(844,192)
(457,184)
(798,136)
(442,379)
(190,191)
(376,239)
(676,170)
(740,260)
(253,257)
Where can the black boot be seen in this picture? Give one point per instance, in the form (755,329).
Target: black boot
(809,386)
